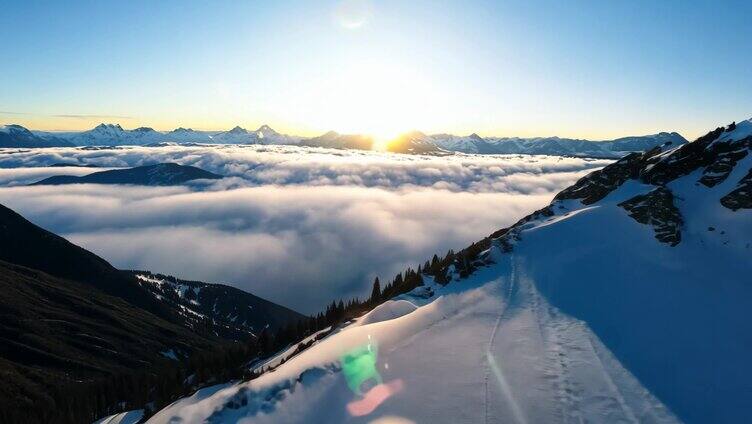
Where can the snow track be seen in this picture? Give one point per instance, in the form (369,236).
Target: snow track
(485,349)
(549,367)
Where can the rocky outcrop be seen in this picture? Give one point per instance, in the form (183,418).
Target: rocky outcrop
(657,209)
(741,197)
(724,163)
(662,169)
(597,185)
(657,167)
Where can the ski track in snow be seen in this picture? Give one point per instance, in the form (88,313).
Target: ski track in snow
(569,376)
(506,356)
(492,366)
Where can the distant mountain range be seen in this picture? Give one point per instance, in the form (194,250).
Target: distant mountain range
(335,140)
(161,174)
(18,136)
(417,142)
(413,142)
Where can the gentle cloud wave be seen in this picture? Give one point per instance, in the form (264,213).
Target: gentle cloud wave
(296,226)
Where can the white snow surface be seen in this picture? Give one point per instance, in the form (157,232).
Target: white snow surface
(129,417)
(577,324)
(390,309)
(743,129)
(489,349)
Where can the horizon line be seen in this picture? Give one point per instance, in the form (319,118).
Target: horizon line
(318,134)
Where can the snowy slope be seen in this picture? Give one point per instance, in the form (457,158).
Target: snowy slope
(130,417)
(625,300)
(263,135)
(188,135)
(489,351)
(115,135)
(17,136)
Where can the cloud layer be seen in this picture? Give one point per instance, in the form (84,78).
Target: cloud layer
(296,226)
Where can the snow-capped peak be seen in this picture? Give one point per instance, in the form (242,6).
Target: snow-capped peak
(13,128)
(238,130)
(108,127)
(266,131)
(737,131)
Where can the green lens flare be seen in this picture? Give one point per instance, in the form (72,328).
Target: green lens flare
(359,366)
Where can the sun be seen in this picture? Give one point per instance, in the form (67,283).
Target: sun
(378,99)
(371,96)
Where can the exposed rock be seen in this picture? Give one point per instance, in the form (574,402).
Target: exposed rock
(725,156)
(662,169)
(597,185)
(657,208)
(719,170)
(741,197)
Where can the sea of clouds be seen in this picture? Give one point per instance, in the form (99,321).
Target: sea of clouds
(299,226)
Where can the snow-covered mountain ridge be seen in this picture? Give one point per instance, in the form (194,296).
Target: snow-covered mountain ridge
(624,300)
(18,136)
(233,313)
(554,145)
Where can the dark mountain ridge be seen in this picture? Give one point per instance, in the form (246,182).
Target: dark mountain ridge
(161,174)
(68,318)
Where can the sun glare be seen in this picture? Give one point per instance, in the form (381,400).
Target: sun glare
(379,99)
(352,14)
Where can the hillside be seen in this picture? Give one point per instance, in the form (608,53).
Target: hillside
(70,320)
(624,300)
(56,333)
(161,174)
(27,245)
(235,314)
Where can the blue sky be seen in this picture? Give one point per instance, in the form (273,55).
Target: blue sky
(584,69)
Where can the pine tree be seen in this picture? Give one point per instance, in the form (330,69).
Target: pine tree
(376,291)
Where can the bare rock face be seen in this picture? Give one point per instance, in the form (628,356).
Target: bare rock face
(597,185)
(719,170)
(657,209)
(682,161)
(741,197)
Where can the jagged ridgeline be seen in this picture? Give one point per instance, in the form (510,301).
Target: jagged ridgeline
(714,155)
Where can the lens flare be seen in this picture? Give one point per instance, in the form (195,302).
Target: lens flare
(352,14)
(360,370)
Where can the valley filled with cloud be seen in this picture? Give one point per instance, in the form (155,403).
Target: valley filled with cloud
(290,224)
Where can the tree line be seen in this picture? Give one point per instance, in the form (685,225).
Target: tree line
(165,381)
